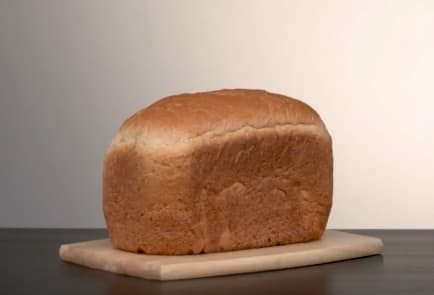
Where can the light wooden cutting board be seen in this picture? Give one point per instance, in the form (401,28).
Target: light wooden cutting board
(333,246)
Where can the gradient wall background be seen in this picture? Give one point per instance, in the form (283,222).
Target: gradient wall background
(71,71)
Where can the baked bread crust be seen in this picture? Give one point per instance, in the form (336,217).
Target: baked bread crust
(218,171)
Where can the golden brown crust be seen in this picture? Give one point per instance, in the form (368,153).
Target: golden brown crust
(181,117)
(218,171)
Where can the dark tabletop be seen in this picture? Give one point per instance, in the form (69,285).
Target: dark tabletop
(30,265)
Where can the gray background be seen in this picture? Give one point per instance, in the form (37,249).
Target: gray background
(72,71)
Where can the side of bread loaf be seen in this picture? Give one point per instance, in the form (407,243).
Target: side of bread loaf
(218,171)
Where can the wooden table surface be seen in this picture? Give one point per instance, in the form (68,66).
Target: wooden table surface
(30,265)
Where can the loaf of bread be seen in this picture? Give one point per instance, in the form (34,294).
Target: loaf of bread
(218,171)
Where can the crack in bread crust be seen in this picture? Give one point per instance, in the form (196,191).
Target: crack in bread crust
(125,138)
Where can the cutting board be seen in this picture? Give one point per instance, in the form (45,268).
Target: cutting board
(333,246)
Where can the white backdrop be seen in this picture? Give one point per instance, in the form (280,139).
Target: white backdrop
(71,71)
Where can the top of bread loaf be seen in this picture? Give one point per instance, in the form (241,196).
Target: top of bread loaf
(179,118)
